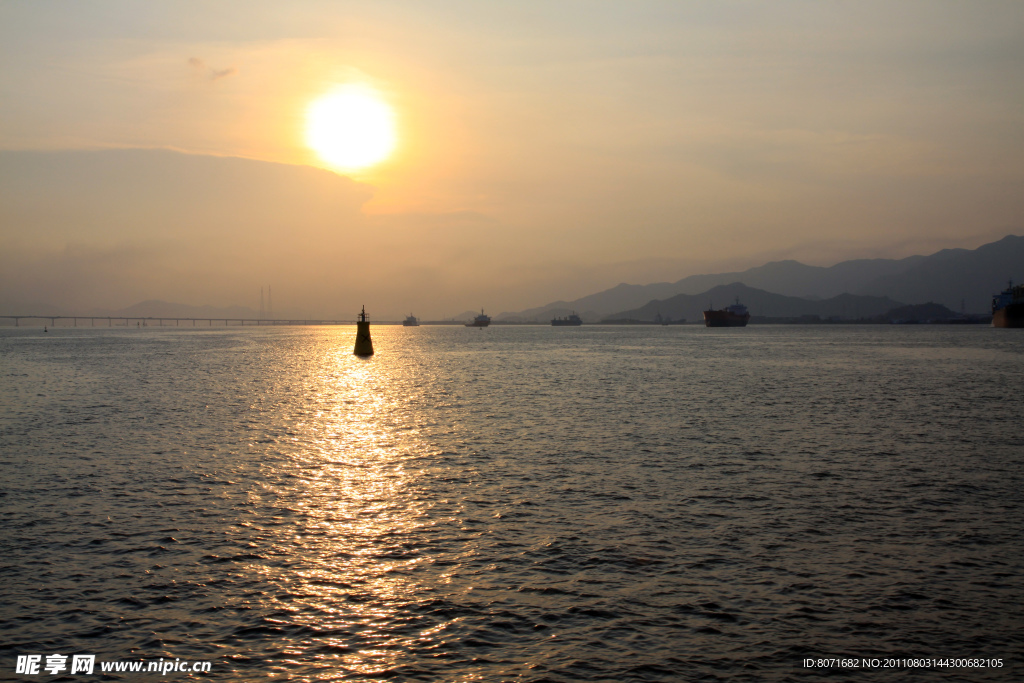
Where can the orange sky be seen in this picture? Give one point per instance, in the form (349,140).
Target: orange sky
(546,150)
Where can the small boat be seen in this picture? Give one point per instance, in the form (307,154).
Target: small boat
(572,320)
(411,321)
(735,315)
(1008,307)
(664,322)
(480,321)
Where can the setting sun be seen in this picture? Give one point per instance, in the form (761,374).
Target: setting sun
(351,128)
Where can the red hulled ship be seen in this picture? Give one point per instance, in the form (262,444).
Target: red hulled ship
(1008,307)
(735,315)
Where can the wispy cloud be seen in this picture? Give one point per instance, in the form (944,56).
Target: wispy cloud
(208,71)
(217,74)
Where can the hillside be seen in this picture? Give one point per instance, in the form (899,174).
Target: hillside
(760,303)
(956,278)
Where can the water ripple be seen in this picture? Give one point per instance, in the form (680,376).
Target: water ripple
(517,504)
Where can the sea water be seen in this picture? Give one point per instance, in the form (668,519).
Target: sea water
(515,503)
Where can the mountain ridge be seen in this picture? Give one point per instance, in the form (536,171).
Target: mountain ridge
(760,303)
(957,278)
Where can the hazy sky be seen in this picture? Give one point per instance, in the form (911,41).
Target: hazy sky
(546,150)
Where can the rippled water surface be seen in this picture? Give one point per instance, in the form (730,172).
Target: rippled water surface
(515,503)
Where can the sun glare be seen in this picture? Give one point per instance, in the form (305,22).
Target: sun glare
(351,128)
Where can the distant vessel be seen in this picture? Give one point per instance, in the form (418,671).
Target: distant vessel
(480,321)
(1008,307)
(572,320)
(411,321)
(658,320)
(736,315)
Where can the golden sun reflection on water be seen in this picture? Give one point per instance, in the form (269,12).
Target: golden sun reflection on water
(517,503)
(357,495)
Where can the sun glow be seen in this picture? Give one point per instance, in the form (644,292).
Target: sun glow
(351,128)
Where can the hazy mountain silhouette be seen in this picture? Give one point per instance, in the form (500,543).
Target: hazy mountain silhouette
(954,275)
(920,313)
(108,228)
(949,277)
(760,303)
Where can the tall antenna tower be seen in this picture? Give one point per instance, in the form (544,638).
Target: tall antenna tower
(261,303)
(270,303)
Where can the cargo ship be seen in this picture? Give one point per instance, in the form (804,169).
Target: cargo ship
(735,315)
(569,321)
(480,321)
(1008,307)
(411,321)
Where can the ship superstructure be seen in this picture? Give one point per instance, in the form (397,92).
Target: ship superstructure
(481,320)
(1008,307)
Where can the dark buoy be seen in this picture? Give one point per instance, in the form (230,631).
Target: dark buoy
(364,345)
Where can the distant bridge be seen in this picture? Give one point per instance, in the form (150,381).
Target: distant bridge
(149,321)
